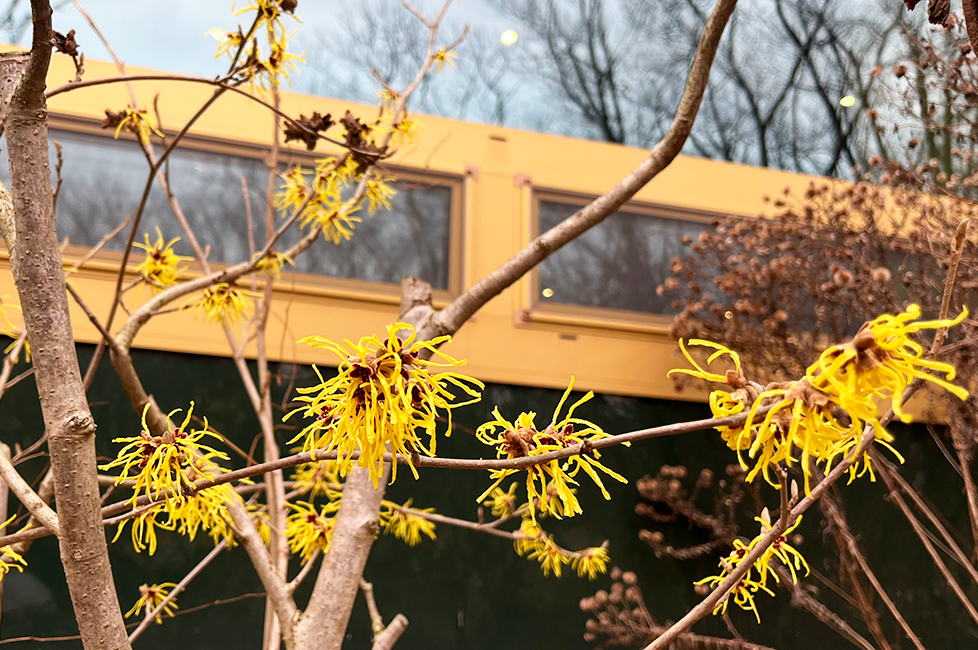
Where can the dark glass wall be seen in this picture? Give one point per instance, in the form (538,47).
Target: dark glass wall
(468,591)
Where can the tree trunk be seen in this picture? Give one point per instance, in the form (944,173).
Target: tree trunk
(40,280)
(323,624)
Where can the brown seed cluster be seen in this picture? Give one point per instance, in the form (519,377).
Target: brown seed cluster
(709,508)
(619,617)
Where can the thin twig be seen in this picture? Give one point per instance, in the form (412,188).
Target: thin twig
(385,636)
(376,620)
(187,579)
(97,247)
(303,572)
(929,546)
(10,361)
(38,508)
(889,472)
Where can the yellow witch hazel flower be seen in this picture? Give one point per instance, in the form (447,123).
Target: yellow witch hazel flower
(263,523)
(388,96)
(161,268)
(755,580)
(10,330)
(308,530)
(160,463)
(269,13)
(203,510)
(744,591)
(378,192)
(722,403)
(590,562)
(406,131)
(534,544)
(272,263)
(382,395)
(403,129)
(882,359)
(789,556)
(322,195)
(151,596)
(503,504)
(268,18)
(143,531)
(405,524)
(135,121)
(280,63)
(9,558)
(821,417)
(227,42)
(548,484)
(445,57)
(319,478)
(225,302)
(800,417)
(164,468)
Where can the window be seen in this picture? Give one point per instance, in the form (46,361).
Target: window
(103,180)
(616,265)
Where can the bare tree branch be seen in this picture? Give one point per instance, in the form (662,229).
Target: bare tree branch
(34,504)
(187,579)
(450,319)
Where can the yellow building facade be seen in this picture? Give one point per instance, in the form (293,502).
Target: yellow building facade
(493,188)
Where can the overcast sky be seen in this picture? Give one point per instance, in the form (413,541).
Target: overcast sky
(172,35)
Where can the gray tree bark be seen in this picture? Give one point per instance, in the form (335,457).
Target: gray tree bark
(40,280)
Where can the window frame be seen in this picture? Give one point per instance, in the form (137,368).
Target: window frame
(292,281)
(536,310)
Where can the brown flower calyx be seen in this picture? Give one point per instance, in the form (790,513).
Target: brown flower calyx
(364,152)
(65,43)
(868,353)
(812,397)
(307,129)
(112,119)
(525,440)
(736,379)
(363,367)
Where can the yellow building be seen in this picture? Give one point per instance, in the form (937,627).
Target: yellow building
(470,197)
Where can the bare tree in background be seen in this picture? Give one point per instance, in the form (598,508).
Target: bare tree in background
(15,19)
(614,68)
(376,43)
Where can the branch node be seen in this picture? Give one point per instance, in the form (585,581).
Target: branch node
(80,424)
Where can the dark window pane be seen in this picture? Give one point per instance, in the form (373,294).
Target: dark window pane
(103,180)
(413,238)
(617,264)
